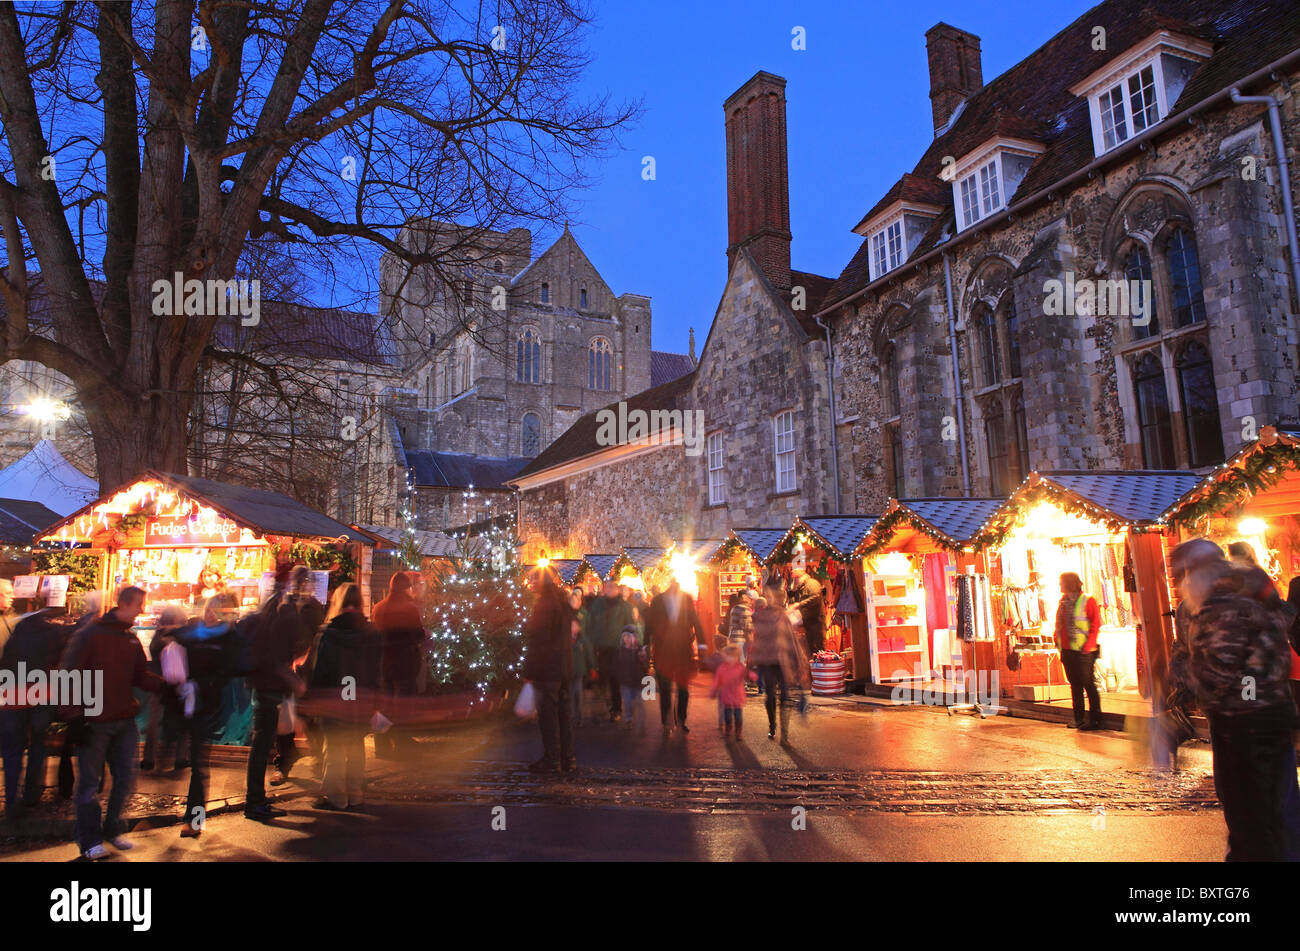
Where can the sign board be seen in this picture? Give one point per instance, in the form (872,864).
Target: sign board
(321,580)
(54,588)
(190,533)
(25,586)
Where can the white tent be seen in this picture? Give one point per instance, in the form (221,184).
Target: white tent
(44,476)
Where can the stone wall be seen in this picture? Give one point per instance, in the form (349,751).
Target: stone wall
(1076,375)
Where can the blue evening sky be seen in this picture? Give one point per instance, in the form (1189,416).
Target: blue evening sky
(858,117)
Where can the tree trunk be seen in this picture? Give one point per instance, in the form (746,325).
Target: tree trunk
(133,434)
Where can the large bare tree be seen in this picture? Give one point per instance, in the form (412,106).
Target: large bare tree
(144,141)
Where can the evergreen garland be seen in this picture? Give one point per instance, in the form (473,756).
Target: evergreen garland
(1256,472)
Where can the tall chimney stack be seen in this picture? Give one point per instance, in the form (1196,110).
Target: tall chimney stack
(758,189)
(955,72)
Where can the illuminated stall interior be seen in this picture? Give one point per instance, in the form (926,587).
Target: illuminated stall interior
(918,561)
(1107,528)
(183,539)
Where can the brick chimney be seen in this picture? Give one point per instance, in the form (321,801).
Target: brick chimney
(758,189)
(955,72)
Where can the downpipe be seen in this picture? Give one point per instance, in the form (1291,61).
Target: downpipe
(956,375)
(830,388)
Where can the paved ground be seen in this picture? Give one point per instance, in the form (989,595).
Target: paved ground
(855,781)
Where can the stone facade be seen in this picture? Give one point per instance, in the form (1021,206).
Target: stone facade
(1076,385)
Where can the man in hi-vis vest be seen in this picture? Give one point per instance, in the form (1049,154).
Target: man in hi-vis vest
(1078,619)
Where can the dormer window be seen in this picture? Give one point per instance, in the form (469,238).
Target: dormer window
(1138,89)
(887,249)
(984,180)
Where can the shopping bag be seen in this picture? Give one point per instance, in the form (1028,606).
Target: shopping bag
(288,720)
(526,705)
(175,669)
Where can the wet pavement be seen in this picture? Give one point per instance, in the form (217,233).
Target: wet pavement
(869,780)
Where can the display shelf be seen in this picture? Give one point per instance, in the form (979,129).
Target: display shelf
(896,631)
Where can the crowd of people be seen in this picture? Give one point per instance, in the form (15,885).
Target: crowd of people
(329,669)
(628,649)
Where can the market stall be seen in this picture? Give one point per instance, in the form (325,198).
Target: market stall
(1253,498)
(929,598)
(1108,527)
(827,543)
(183,539)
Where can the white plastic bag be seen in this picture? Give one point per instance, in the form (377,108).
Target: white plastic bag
(288,721)
(175,666)
(526,705)
(379,723)
(189,695)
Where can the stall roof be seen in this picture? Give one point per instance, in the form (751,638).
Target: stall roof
(957,520)
(842,534)
(566,568)
(643,559)
(702,550)
(266,512)
(20,520)
(1136,497)
(432,544)
(602,565)
(760,542)
(1265,460)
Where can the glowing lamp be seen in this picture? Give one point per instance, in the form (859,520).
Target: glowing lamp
(683,570)
(1252,526)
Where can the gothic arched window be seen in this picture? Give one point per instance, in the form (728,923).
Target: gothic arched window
(1185,279)
(599,355)
(986,342)
(531,439)
(1153,413)
(528,357)
(890,390)
(1200,406)
(1137,268)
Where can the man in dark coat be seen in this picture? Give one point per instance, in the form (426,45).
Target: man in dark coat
(110,651)
(548,664)
(805,596)
(401,624)
(278,634)
(673,630)
(311,616)
(606,618)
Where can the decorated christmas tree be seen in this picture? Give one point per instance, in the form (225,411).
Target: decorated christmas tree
(475,607)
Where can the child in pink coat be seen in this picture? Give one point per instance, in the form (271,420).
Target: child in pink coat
(729,687)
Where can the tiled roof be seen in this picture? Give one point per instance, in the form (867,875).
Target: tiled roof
(644,558)
(1032,100)
(761,542)
(602,565)
(35,516)
(842,533)
(566,568)
(956,519)
(910,188)
(815,288)
(432,544)
(580,439)
(1136,497)
(666,367)
(461,470)
(701,551)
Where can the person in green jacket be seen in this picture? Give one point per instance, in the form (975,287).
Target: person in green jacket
(584,658)
(608,615)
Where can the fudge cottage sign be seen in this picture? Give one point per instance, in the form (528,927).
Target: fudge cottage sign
(183,532)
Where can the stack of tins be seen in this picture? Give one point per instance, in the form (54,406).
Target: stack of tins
(828,673)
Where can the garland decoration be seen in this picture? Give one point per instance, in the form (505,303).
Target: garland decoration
(1233,486)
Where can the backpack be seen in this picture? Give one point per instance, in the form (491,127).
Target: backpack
(244,657)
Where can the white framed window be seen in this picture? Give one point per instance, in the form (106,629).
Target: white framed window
(1130,106)
(886,249)
(981,194)
(783,441)
(717,470)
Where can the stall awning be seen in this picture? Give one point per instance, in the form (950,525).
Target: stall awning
(259,510)
(432,544)
(20,520)
(762,543)
(839,534)
(602,565)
